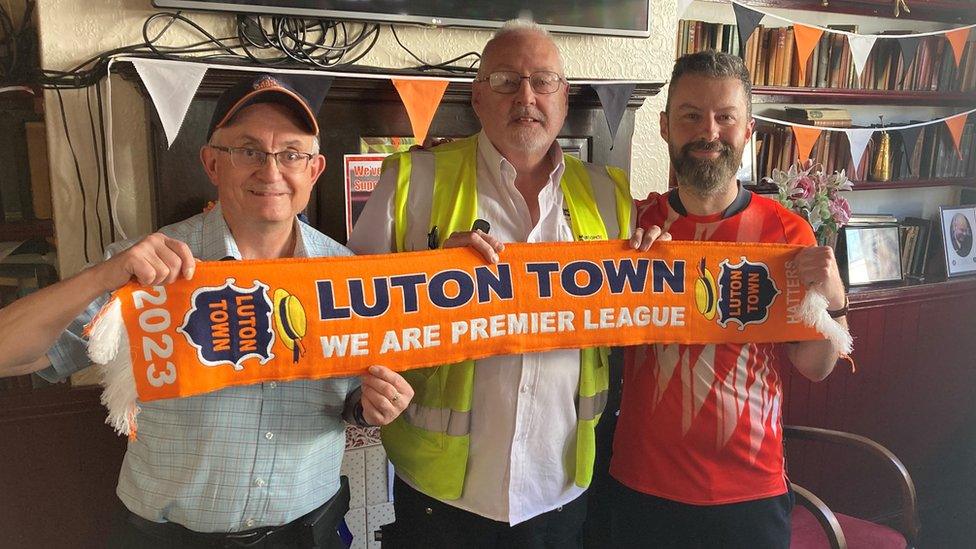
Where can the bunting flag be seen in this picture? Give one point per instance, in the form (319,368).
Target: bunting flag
(909,137)
(171,85)
(614,98)
(421,99)
(957,39)
(746,20)
(909,48)
(681,6)
(858,139)
(860,50)
(876,36)
(245,322)
(955,125)
(806,41)
(805,137)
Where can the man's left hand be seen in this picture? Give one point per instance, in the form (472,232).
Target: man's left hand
(643,238)
(817,268)
(385,395)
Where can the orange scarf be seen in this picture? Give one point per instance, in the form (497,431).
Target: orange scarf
(244,322)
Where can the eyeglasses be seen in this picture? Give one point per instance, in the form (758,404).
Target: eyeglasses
(542,82)
(288,161)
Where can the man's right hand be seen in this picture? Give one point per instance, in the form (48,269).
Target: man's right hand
(30,325)
(488,246)
(154,260)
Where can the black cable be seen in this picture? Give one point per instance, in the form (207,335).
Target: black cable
(108,193)
(447,65)
(98,168)
(81,185)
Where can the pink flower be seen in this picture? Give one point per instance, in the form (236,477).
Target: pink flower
(805,188)
(840,210)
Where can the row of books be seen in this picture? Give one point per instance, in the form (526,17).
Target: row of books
(771,57)
(933,156)
(694,36)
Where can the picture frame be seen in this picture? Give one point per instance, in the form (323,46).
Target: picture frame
(872,254)
(958,224)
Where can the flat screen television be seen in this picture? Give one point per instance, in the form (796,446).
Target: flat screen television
(606,17)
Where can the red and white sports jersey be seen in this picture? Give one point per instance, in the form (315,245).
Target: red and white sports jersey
(700,424)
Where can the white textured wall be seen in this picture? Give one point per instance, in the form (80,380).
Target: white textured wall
(74,30)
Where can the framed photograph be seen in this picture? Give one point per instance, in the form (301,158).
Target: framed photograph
(872,254)
(957,237)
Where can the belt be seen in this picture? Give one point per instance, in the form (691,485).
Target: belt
(304,531)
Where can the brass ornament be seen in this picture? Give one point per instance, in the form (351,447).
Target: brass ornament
(881,167)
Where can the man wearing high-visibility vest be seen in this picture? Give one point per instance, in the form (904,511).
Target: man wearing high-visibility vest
(498,452)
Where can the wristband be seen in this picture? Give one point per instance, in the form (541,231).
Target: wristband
(840,312)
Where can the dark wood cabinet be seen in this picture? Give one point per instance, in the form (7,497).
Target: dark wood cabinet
(913,390)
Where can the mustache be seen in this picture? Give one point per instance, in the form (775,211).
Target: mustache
(707,146)
(526,112)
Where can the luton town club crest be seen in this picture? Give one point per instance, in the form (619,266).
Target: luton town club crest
(229,324)
(742,293)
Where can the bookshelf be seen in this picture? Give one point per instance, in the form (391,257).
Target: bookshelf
(827,96)
(927,84)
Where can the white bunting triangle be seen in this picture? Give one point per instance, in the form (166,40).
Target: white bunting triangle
(858,140)
(682,6)
(172,85)
(860,49)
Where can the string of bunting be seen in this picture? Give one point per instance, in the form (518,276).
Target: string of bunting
(173,83)
(805,136)
(807,36)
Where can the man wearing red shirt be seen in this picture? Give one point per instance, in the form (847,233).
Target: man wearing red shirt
(698,453)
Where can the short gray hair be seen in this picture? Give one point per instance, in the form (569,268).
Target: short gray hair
(520,26)
(713,64)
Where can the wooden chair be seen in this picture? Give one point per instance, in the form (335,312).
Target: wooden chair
(815,525)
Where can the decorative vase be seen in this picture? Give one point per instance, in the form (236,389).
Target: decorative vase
(827,237)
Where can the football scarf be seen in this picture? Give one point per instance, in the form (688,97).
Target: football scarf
(244,322)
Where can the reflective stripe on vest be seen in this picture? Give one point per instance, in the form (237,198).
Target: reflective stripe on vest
(428,444)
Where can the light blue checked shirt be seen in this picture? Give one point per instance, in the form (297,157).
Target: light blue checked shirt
(238,458)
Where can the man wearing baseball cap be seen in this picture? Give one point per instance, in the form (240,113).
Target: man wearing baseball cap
(254,466)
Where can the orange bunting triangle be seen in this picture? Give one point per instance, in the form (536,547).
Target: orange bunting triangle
(955,125)
(806,40)
(421,99)
(957,39)
(805,138)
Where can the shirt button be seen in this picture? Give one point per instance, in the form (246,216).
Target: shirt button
(249,522)
(269,435)
(525,389)
(259,482)
(272,385)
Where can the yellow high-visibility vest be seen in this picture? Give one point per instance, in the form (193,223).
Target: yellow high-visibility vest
(428,443)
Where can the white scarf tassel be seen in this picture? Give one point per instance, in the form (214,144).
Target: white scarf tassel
(107,337)
(813,312)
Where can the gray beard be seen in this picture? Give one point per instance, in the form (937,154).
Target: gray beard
(705,177)
(530,140)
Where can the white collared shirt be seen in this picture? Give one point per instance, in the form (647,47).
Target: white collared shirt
(523,413)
